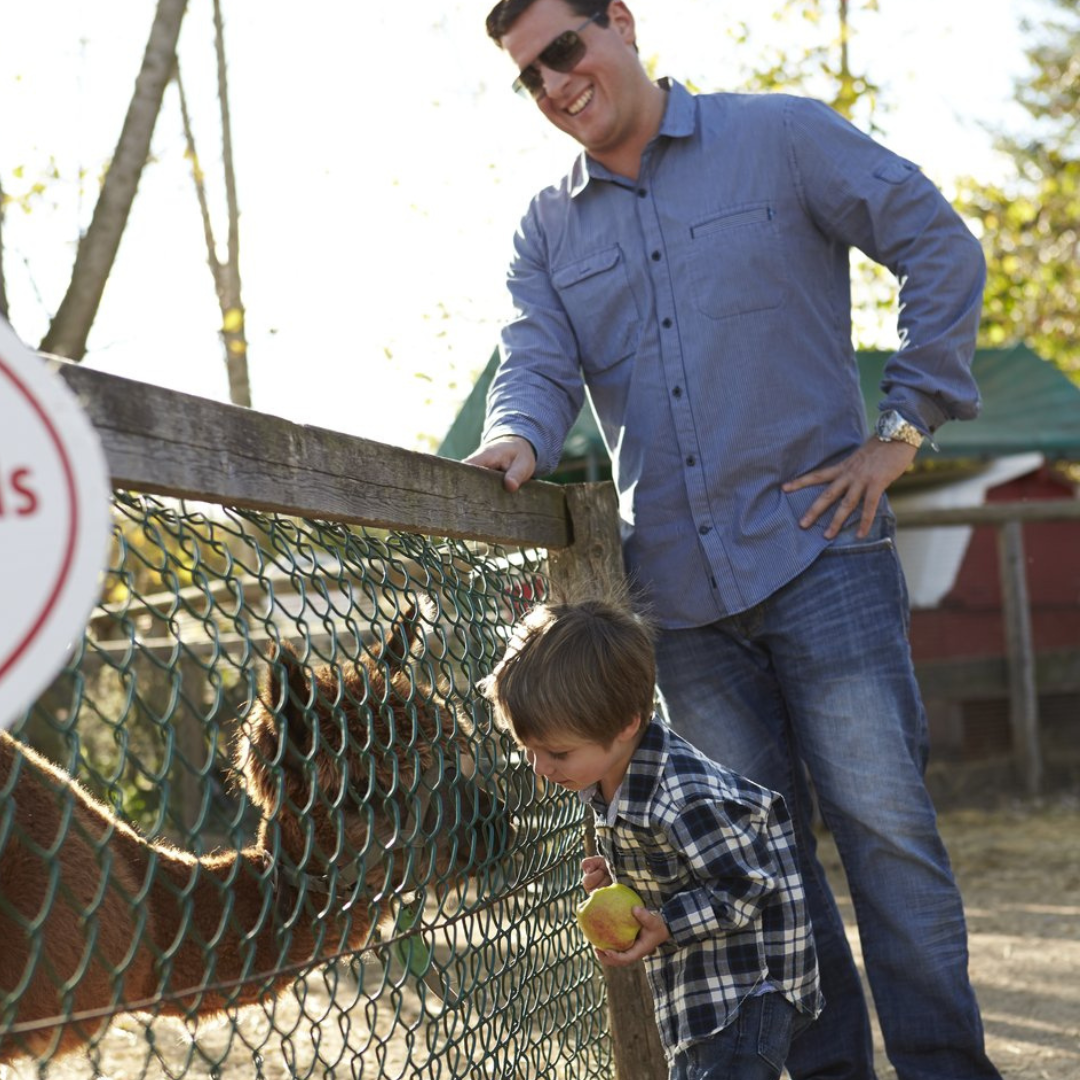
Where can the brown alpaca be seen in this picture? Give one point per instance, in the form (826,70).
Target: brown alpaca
(94,918)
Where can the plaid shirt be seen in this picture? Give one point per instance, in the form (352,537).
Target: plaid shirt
(715,855)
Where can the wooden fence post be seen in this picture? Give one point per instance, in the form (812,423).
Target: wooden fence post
(1023,698)
(593,560)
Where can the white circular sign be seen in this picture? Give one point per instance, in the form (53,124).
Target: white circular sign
(54,523)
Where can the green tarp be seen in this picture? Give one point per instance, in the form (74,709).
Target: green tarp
(1028,404)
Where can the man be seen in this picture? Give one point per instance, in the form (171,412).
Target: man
(692,272)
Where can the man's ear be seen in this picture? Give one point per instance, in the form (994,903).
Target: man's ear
(623,21)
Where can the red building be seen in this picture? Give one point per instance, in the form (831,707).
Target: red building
(959,645)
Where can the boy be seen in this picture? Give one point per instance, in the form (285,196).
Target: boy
(725,934)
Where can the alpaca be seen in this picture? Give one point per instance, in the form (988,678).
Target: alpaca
(96,919)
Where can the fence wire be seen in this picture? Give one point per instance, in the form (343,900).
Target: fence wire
(294,844)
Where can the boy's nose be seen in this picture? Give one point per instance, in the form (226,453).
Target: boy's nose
(541,765)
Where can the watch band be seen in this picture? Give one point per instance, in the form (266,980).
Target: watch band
(892,427)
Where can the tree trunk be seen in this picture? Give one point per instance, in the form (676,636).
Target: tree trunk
(233,330)
(226,274)
(97,250)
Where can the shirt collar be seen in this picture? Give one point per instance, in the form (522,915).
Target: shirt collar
(680,121)
(642,778)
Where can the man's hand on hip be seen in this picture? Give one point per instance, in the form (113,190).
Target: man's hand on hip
(861,478)
(511,455)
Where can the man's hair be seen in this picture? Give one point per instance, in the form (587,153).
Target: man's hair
(507,12)
(584,670)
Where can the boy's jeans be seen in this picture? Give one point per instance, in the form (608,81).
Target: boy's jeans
(753,1047)
(824,665)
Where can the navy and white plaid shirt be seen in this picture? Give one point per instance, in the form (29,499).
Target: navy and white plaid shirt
(714,854)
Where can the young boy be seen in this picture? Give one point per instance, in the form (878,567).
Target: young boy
(725,934)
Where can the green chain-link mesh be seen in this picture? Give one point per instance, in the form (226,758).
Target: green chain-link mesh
(371,838)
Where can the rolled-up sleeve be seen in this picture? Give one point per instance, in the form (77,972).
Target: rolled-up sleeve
(538,389)
(866,196)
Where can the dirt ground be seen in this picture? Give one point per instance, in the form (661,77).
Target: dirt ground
(1019,871)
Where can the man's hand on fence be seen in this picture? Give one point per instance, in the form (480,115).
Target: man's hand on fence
(654,932)
(511,455)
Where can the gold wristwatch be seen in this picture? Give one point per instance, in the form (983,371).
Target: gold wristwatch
(892,427)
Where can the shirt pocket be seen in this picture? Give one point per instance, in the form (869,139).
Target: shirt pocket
(652,868)
(596,293)
(737,261)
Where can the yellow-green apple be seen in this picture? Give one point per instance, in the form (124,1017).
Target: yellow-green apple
(607,919)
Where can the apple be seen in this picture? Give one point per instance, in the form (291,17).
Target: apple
(606,917)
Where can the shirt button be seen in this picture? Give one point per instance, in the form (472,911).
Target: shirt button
(704,529)
(677,391)
(691,460)
(656,256)
(666,324)
(641,193)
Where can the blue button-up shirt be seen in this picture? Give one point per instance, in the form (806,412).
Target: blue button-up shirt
(706,306)
(715,855)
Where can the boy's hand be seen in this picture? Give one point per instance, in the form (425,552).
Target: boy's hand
(654,932)
(595,873)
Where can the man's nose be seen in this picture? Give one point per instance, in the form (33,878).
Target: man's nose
(554,81)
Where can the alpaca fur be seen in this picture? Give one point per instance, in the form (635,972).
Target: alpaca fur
(94,917)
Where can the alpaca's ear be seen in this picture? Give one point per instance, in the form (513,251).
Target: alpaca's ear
(404,632)
(291,696)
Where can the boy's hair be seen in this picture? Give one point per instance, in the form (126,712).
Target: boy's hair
(584,669)
(507,12)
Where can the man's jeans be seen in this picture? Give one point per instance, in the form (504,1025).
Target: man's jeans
(754,1046)
(822,672)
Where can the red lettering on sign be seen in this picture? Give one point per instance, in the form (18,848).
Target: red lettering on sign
(18,495)
(28,504)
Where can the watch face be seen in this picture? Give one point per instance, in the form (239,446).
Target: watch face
(891,425)
(888,424)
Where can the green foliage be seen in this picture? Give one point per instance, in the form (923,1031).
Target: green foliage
(28,189)
(1030,224)
(821,67)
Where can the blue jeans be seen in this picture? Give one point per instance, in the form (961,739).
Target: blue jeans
(754,1046)
(821,673)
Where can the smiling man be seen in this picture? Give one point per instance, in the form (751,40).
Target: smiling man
(691,273)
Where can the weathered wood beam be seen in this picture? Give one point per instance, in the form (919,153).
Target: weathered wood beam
(991,514)
(159,441)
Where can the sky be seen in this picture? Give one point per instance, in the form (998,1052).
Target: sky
(382,165)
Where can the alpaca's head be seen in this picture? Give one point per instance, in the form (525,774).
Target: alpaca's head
(365,777)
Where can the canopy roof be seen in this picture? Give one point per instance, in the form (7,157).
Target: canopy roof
(1027,404)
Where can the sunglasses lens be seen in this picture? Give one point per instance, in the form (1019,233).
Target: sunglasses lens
(530,82)
(563,54)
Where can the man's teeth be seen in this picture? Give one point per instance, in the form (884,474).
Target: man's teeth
(576,106)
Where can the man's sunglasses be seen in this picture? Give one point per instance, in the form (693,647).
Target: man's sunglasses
(563,55)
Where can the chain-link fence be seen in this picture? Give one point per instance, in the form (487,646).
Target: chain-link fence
(296,846)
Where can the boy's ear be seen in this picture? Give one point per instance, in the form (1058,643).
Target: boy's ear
(631,731)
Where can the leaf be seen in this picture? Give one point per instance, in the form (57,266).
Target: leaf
(412,952)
